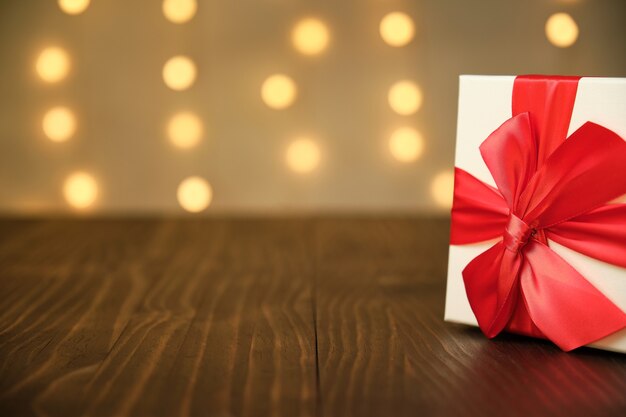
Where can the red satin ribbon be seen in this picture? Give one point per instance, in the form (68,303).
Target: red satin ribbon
(547,188)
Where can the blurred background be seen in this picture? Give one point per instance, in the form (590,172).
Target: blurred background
(263,106)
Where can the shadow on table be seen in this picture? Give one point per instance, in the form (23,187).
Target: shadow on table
(518,375)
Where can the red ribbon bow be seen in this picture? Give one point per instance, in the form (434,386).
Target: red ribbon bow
(548,188)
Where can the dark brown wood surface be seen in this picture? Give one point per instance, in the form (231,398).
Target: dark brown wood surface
(263,317)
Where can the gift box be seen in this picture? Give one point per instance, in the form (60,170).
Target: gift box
(538,230)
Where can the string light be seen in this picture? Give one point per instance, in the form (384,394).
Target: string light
(442,188)
(185,130)
(405,97)
(179,11)
(278,91)
(397,29)
(59,124)
(194,194)
(310,36)
(406,144)
(303,155)
(52,64)
(179,73)
(561,30)
(80,190)
(73,7)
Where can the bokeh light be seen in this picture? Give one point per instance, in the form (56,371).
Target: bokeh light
(179,73)
(406,144)
(185,130)
(80,190)
(53,64)
(179,11)
(194,194)
(278,91)
(561,30)
(303,155)
(310,36)
(397,29)
(405,97)
(59,124)
(442,188)
(73,6)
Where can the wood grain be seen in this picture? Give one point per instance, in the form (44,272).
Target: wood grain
(263,317)
(164,318)
(384,349)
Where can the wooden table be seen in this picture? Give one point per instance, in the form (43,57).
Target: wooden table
(263,317)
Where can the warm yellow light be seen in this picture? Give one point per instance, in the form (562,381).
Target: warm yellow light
(73,6)
(179,11)
(194,194)
(561,30)
(303,155)
(278,91)
(80,190)
(53,64)
(59,124)
(310,36)
(442,188)
(406,144)
(179,73)
(185,130)
(405,97)
(397,29)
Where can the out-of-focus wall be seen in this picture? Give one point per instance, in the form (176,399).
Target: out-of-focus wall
(117,49)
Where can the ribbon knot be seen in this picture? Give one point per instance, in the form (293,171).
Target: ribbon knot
(517,233)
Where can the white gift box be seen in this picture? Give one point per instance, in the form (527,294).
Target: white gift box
(484,104)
